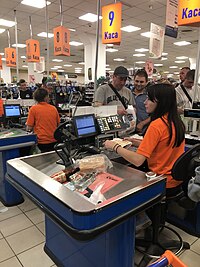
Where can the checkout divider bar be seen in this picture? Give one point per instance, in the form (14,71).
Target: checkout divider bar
(84,235)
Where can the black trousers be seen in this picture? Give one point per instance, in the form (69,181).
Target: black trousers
(46,147)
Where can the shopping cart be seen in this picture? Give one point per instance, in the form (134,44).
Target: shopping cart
(168,259)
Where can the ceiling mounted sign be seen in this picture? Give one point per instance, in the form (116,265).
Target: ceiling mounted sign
(1,67)
(33,50)
(10,55)
(188,13)
(61,41)
(111,23)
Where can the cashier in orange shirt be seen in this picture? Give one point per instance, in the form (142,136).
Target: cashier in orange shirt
(43,119)
(164,140)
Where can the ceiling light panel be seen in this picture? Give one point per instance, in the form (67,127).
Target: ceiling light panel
(139,55)
(142,50)
(118,59)
(57,60)
(140,62)
(2,30)
(90,17)
(35,3)
(44,34)
(67,65)
(7,23)
(182,57)
(19,45)
(74,43)
(179,61)
(130,28)
(146,34)
(111,50)
(182,43)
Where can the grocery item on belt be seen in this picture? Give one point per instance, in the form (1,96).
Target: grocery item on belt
(59,176)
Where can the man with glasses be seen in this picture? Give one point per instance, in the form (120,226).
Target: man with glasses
(105,95)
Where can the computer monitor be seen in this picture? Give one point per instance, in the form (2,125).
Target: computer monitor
(84,125)
(12,111)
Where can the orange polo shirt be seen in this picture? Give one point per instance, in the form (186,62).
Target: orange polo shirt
(44,119)
(160,155)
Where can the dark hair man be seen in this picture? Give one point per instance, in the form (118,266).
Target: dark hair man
(104,95)
(139,93)
(183,73)
(185,92)
(23,91)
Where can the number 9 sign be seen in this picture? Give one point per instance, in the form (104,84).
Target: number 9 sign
(111,23)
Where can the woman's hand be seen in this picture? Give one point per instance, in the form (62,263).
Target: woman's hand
(135,142)
(109,144)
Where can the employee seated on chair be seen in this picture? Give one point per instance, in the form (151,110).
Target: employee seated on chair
(164,140)
(43,119)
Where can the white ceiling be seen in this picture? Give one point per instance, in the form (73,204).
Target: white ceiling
(139,13)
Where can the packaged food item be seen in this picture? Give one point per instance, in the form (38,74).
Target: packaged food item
(59,176)
(98,163)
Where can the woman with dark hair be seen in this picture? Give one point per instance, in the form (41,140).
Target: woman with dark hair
(43,119)
(164,140)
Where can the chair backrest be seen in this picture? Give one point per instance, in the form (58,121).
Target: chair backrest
(184,168)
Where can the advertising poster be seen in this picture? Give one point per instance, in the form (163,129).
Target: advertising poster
(171,28)
(156,41)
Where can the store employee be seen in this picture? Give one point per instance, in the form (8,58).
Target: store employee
(24,92)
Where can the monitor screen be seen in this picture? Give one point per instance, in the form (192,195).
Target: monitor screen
(84,125)
(12,111)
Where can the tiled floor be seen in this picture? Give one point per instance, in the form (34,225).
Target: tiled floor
(22,236)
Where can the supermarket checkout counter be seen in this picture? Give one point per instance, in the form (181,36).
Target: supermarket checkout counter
(78,232)
(12,142)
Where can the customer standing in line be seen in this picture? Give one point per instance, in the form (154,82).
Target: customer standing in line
(43,119)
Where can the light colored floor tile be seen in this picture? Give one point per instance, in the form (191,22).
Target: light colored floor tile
(11,212)
(35,257)
(41,227)
(185,236)
(25,239)
(13,262)
(27,205)
(5,251)
(190,258)
(36,216)
(196,246)
(14,225)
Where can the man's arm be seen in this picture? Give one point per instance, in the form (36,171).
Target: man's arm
(29,128)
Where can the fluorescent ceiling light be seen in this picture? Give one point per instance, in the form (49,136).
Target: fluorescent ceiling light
(141,50)
(2,54)
(182,57)
(2,30)
(81,63)
(23,57)
(74,43)
(7,23)
(90,17)
(58,67)
(182,43)
(118,59)
(19,45)
(108,68)
(179,61)
(24,66)
(54,68)
(176,72)
(44,34)
(111,50)
(77,71)
(3,59)
(78,68)
(60,70)
(166,72)
(72,30)
(164,54)
(173,67)
(139,55)
(67,65)
(57,60)
(163,58)
(109,45)
(140,62)
(35,3)
(158,65)
(146,34)
(130,28)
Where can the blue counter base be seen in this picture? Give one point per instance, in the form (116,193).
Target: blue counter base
(114,248)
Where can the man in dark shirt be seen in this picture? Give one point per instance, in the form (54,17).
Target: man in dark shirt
(24,92)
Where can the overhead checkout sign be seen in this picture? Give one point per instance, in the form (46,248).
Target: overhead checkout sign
(111,23)
(189,13)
